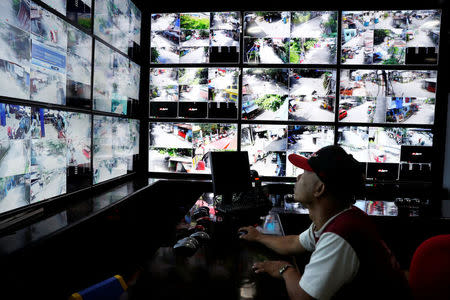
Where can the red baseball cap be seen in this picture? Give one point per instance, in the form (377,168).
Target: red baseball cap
(335,167)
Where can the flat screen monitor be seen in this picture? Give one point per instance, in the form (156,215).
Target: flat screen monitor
(380,171)
(201,37)
(416,154)
(230,173)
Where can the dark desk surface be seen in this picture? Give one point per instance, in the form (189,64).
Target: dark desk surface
(220,269)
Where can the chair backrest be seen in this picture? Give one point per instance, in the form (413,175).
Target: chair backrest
(429,272)
(109,289)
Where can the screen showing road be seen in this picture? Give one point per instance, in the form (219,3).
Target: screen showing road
(206,37)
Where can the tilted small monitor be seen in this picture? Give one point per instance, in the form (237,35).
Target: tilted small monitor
(230,173)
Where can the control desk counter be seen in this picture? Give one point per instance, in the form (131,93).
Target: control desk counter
(217,268)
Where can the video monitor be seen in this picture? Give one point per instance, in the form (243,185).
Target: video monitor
(388,96)
(196,90)
(222,110)
(15,57)
(58,5)
(189,143)
(119,24)
(78,139)
(170,135)
(49,61)
(116,81)
(309,138)
(173,160)
(394,37)
(15,142)
(385,171)
(296,37)
(78,11)
(381,144)
(381,208)
(116,147)
(230,173)
(193,110)
(202,37)
(44,153)
(415,171)
(265,94)
(163,109)
(266,146)
(416,154)
(209,137)
(79,64)
(312,94)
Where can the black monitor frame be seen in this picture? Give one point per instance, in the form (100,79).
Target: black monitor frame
(230,173)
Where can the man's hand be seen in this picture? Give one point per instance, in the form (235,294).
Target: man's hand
(270,267)
(252,235)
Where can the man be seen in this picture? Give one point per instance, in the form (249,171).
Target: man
(349,260)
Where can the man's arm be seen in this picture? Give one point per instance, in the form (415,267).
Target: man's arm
(291,277)
(284,245)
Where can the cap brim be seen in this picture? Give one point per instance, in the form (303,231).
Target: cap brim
(300,162)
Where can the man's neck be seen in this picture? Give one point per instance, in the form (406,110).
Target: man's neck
(320,214)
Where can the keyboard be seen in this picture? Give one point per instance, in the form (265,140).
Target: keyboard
(255,200)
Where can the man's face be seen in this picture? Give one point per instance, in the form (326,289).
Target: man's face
(305,187)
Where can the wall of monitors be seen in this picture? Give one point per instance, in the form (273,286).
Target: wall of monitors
(365,80)
(68,98)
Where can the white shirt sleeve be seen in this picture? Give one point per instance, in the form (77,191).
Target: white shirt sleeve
(332,264)
(307,240)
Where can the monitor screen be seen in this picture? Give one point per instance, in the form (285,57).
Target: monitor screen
(388,96)
(381,144)
(116,147)
(45,153)
(119,24)
(116,81)
(230,172)
(199,92)
(416,154)
(184,147)
(385,171)
(394,37)
(296,37)
(50,60)
(202,37)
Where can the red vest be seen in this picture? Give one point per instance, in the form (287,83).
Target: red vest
(379,275)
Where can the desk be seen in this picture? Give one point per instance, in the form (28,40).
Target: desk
(220,269)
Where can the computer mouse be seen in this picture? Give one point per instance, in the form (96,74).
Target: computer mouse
(242,232)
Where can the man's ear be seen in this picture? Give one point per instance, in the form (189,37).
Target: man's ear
(319,189)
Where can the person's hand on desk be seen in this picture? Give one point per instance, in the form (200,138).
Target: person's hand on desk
(273,267)
(249,233)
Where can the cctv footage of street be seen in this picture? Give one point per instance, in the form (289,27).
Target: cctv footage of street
(195,37)
(42,57)
(193,85)
(381,144)
(298,37)
(116,81)
(390,37)
(184,147)
(116,147)
(118,23)
(37,147)
(388,96)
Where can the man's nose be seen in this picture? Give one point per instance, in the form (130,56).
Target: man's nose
(299,176)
